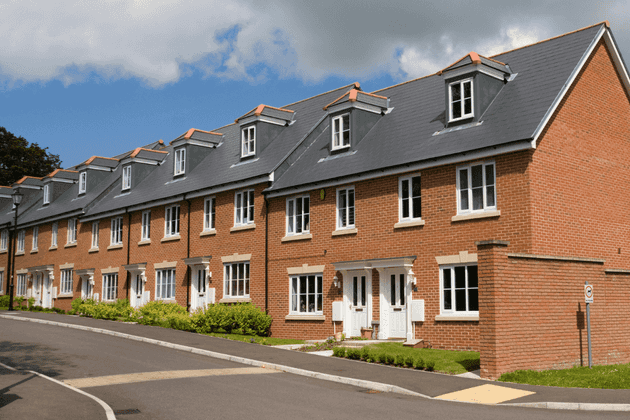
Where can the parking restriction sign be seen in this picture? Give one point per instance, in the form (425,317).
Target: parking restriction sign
(588,293)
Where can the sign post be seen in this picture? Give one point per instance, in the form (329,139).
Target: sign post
(588,298)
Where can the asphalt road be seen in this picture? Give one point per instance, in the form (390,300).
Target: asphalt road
(206,389)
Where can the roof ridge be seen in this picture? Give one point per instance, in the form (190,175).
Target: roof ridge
(25,177)
(356,85)
(605,22)
(139,149)
(53,173)
(90,160)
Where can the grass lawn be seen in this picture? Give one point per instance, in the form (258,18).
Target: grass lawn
(604,377)
(270,341)
(447,361)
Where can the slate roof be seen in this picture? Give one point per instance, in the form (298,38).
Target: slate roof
(406,135)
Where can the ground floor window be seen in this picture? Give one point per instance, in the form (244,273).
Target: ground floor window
(110,286)
(66,281)
(459,289)
(237,280)
(165,284)
(306,294)
(21,285)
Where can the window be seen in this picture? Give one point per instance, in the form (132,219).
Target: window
(306,294)
(341,131)
(110,286)
(237,280)
(298,221)
(345,208)
(20,241)
(165,284)
(82,182)
(359,291)
(126,178)
(460,100)
(21,285)
(53,236)
(208,214)
(171,221)
(1,282)
(397,290)
(116,233)
(146,226)
(94,234)
(244,208)
(46,194)
(35,238)
(180,161)
(410,204)
(4,240)
(66,281)
(459,289)
(72,231)
(476,186)
(248,140)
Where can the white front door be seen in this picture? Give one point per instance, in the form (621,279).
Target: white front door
(394,292)
(137,291)
(47,292)
(37,288)
(358,298)
(199,289)
(86,288)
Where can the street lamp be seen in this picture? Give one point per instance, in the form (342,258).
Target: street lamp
(17,199)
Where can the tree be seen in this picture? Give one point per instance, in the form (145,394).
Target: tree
(19,158)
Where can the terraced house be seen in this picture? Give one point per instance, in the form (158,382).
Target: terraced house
(463,210)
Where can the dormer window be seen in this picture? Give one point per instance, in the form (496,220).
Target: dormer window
(82,182)
(180,161)
(461,100)
(126,178)
(341,132)
(248,141)
(46,194)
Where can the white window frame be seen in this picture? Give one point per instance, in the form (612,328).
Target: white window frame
(95,234)
(46,194)
(180,161)
(21,285)
(20,241)
(82,182)
(2,291)
(110,287)
(209,214)
(347,210)
(165,282)
(489,191)
(296,293)
(126,178)
(408,203)
(244,207)
(298,223)
(72,231)
(452,311)
(35,240)
(171,223)
(233,274)
(66,282)
(145,234)
(116,231)
(53,235)
(4,239)
(461,100)
(248,141)
(338,135)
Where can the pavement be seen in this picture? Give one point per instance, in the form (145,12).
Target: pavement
(365,375)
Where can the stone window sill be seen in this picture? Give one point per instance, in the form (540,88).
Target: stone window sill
(235,300)
(73,244)
(4,251)
(341,232)
(301,237)
(296,317)
(145,242)
(64,295)
(19,253)
(210,232)
(473,216)
(401,225)
(93,249)
(171,238)
(34,251)
(456,318)
(117,246)
(52,248)
(243,227)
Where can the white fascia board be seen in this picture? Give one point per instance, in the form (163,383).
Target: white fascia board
(102,216)
(481,68)
(140,160)
(263,118)
(5,196)
(619,63)
(411,167)
(227,187)
(100,168)
(567,86)
(375,263)
(63,180)
(350,105)
(30,187)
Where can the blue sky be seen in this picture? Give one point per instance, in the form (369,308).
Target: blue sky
(104,77)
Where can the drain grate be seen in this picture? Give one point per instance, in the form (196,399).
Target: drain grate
(126,411)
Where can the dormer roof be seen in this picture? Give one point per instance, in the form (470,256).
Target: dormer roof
(269,114)
(357,98)
(473,61)
(149,156)
(98,162)
(5,192)
(199,138)
(62,174)
(31,181)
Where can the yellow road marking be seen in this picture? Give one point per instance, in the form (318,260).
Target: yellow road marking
(158,376)
(485,394)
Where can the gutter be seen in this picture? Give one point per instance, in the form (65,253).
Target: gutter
(188,270)
(266,254)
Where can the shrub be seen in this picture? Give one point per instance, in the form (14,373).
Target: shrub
(37,308)
(399,360)
(156,312)
(388,359)
(18,300)
(365,353)
(418,363)
(430,366)
(59,311)
(104,310)
(76,303)
(31,302)
(409,361)
(4,301)
(354,354)
(339,351)
(244,318)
